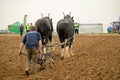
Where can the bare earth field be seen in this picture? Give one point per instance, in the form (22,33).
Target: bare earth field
(97,57)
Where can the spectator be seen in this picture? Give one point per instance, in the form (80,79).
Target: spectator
(73,20)
(76,27)
(28,27)
(110,28)
(21,29)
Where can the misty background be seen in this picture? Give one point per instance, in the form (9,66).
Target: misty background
(84,11)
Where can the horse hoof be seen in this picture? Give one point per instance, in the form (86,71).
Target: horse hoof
(42,67)
(62,57)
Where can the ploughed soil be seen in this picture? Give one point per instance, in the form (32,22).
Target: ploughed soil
(97,57)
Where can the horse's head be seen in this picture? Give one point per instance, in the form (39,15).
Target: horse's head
(47,17)
(68,16)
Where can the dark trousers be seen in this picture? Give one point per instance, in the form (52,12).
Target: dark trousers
(31,59)
(76,31)
(21,32)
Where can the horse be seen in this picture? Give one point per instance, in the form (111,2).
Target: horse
(45,28)
(65,31)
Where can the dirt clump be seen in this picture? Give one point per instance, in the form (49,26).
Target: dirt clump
(97,57)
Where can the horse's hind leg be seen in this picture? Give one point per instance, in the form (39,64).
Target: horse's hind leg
(71,53)
(51,43)
(67,54)
(62,47)
(70,47)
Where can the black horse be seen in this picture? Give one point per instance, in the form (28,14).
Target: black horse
(45,28)
(65,30)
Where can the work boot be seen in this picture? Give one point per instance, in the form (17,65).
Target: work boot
(62,57)
(42,66)
(27,72)
(33,72)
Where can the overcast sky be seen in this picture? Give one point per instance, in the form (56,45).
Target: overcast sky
(104,11)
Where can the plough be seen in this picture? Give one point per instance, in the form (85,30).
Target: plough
(42,58)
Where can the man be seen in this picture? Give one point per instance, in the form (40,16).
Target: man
(21,29)
(33,43)
(30,24)
(110,28)
(76,26)
(73,20)
(28,27)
